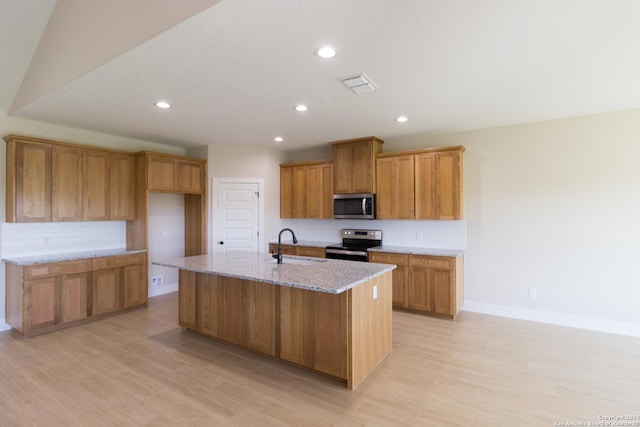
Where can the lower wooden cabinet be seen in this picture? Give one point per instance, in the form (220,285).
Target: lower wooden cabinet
(310,251)
(425,283)
(45,297)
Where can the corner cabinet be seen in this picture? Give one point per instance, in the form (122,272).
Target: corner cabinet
(426,284)
(354,162)
(306,190)
(422,184)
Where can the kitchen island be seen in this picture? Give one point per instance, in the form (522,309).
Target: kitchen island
(330,316)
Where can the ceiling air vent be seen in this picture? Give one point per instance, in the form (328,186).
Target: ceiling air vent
(358,83)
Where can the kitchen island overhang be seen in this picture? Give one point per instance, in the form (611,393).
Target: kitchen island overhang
(333,317)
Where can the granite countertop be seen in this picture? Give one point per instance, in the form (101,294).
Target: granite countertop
(309,243)
(418,250)
(316,274)
(70,256)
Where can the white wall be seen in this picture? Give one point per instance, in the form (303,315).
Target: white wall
(230,161)
(553,206)
(67,237)
(166,238)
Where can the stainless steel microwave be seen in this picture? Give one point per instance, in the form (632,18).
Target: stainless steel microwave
(354,206)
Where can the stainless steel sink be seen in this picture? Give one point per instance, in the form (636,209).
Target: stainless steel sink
(297,261)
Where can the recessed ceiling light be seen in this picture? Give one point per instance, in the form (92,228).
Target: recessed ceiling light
(278,139)
(163,104)
(326,52)
(402,119)
(301,107)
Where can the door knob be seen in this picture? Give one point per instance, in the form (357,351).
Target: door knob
(221,242)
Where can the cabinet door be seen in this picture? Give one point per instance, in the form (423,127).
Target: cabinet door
(419,290)
(42,302)
(96,186)
(425,186)
(448,186)
(296,329)
(442,284)
(190,177)
(262,317)
(311,252)
(299,192)
(362,167)
(134,287)
(320,191)
(74,296)
(342,161)
(122,189)
(395,187)
(106,291)
(400,276)
(162,174)
(32,183)
(209,304)
(286,192)
(66,184)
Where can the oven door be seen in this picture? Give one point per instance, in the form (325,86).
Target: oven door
(346,254)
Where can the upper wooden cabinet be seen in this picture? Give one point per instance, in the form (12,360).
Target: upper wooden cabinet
(422,184)
(175,174)
(306,190)
(54,181)
(354,165)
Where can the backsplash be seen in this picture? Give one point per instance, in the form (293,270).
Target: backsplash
(61,237)
(425,234)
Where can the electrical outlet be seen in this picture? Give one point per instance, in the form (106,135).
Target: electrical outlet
(156,281)
(375,291)
(419,235)
(164,233)
(533,293)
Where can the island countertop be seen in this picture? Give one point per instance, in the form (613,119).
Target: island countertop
(316,274)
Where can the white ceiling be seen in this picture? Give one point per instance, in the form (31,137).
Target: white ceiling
(234,71)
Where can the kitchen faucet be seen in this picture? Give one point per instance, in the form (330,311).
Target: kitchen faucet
(278,256)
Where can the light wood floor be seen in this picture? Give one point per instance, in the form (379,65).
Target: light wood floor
(141,369)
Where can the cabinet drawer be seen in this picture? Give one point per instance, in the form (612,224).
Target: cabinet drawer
(432,262)
(389,258)
(310,251)
(117,261)
(56,269)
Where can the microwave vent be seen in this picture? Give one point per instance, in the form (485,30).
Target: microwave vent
(358,83)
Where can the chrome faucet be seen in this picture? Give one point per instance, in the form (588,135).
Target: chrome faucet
(278,256)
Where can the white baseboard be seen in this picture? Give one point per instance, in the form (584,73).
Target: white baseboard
(4,326)
(582,322)
(167,288)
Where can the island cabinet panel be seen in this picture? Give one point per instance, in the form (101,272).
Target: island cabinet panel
(331,334)
(66,184)
(188,313)
(296,330)
(235,311)
(96,186)
(262,317)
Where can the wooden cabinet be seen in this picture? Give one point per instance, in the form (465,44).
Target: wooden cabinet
(400,275)
(174,174)
(45,297)
(118,283)
(354,165)
(421,184)
(306,190)
(426,284)
(54,181)
(96,186)
(122,192)
(288,249)
(395,187)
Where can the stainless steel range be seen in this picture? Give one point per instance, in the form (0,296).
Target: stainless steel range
(355,244)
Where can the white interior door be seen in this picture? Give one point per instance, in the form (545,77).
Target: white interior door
(236,216)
